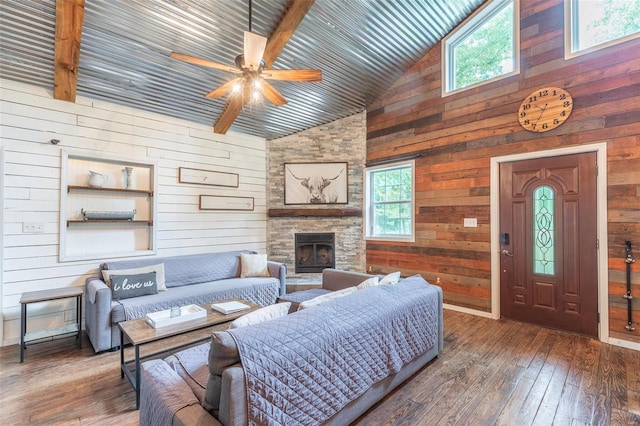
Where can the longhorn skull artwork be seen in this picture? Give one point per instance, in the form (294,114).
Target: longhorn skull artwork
(319,188)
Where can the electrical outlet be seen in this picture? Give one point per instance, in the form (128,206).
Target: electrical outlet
(437,280)
(470,222)
(32,227)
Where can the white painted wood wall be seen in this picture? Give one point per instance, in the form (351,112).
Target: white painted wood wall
(30,118)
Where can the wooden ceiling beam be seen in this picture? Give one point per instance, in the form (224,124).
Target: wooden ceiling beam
(285,29)
(69,17)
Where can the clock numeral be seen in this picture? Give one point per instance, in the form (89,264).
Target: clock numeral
(533,98)
(543,93)
(566,104)
(563,113)
(556,121)
(545,126)
(523,114)
(533,126)
(563,96)
(526,106)
(526,122)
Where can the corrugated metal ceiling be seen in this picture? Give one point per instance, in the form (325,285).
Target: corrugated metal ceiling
(361,46)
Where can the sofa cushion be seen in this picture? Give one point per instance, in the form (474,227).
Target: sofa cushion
(261,315)
(391,278)
(133,285)
(253,265)
(158,269)
(369,282)
(223,353)
(189,269)
(261,291)
(326,297)
(191,365)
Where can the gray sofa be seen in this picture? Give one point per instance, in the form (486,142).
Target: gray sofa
(198,279)
(217,384)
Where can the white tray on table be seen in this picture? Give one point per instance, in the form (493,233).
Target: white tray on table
(163,318)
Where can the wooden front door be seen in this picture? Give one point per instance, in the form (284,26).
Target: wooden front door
(548,242)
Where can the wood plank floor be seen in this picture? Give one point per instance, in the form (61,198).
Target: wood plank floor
(491,373)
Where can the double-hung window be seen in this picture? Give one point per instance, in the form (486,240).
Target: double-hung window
(595,24)
(389,201)
(484,48)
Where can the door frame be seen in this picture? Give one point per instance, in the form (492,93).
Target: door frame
(601,195)
(2,227)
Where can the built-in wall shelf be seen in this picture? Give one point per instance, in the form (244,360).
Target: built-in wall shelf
(93,188)
(329,212)
(107,207)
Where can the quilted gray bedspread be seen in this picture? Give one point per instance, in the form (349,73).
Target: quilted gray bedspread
(303,371)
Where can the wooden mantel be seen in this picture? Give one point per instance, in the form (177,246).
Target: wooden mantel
(316,212)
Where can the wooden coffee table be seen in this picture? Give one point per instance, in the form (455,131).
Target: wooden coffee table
(138,332)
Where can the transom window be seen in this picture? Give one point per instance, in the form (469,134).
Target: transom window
(484,48)
(389,202)
(594,24)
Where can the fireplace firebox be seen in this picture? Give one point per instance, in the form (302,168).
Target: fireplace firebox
(315,252)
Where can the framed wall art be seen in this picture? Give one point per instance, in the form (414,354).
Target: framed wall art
(207,177)
(316,183)
(221,202)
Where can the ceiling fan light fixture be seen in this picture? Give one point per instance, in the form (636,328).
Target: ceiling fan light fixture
(256,96)
(236,88)
(254,45)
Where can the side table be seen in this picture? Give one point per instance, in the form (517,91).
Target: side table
(42,335)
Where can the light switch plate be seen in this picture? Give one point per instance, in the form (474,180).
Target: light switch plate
(470,222)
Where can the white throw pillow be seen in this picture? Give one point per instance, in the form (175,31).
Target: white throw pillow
(326,297)
(369,282)
(391,278)
(158,269)
(253,265)
(261,315)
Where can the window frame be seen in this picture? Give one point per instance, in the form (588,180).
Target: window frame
(368,202)
(571,28)
(467,27)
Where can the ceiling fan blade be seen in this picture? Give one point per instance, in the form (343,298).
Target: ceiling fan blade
(272,94)
(228,116)
(285,29)
(254,45)
(224,89)
(202,62)
(292,75)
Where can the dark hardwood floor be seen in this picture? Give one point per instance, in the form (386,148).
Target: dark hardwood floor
(491,372)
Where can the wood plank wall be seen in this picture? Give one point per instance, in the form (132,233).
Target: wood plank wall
(30,118)
(459,134)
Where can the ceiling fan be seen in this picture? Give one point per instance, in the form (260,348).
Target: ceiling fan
(252,67)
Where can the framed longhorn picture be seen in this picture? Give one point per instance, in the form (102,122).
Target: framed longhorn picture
(316,183)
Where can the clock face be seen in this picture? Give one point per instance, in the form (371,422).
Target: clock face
(545,109)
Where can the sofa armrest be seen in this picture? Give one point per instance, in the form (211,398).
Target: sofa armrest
(333,279)
(163,393)
(98,313)
(279,270)
(194,415)
(233,397)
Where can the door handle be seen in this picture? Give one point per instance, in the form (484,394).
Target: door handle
(507,253)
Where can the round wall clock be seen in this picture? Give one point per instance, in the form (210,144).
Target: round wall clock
(545,109)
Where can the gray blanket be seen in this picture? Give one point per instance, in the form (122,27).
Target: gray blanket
(304,371)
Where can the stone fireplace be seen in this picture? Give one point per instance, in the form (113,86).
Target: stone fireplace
(314,252)
(343,140)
